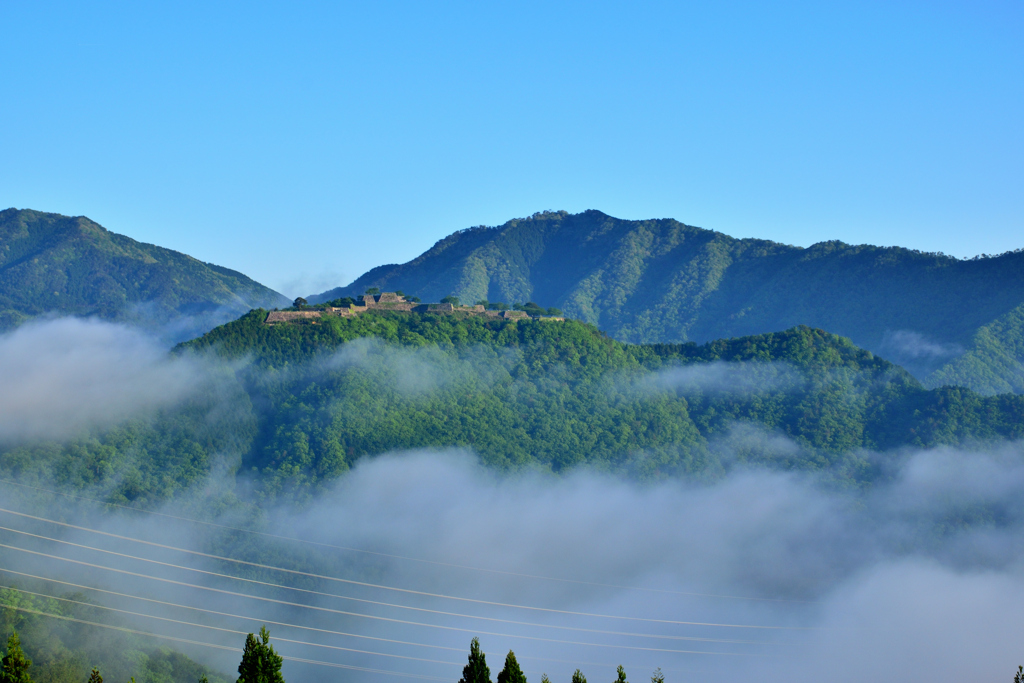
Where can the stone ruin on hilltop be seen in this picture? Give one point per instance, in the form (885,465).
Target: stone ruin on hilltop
(392,301)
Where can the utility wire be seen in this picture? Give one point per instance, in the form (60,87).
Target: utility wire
(356,635)
(347,581)
(397,557)
(263,621)
(355,614)
(223,614)
(229,630)
(220,647)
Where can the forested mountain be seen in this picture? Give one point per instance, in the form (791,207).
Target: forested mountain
(298,403)
(944,319)
(70,265)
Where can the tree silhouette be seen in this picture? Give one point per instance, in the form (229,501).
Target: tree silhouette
(94,676)
(511,673)
(14,667)
(622,675)
(476,670)
(260,664)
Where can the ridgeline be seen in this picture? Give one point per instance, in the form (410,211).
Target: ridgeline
(946,320)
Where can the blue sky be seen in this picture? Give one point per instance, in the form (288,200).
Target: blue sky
(303,143)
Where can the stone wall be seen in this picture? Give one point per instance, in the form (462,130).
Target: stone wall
(288,316)
(389,301)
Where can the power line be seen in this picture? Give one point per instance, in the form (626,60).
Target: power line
(397,557)
(220,647)
(356,635)
(223,614)
(356,614)
(229,630)
(280,623)
(347,581)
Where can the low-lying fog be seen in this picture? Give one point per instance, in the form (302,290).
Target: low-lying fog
(760,575)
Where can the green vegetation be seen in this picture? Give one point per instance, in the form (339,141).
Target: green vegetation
(260,663)
(476,670)
(15,663)
(663,281)
(563,394)
(69,265)
(511,673)
(300,403)
(59,649)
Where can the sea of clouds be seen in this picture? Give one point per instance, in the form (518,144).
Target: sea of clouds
(761,574)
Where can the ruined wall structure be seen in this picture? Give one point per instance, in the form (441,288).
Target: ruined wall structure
(390,301)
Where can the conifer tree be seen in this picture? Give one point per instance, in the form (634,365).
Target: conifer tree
(511,673)
(260,663)
(622,675)
(94,676)
(544,678)
(578,677)
(657,676)
(476,670)
(14,667)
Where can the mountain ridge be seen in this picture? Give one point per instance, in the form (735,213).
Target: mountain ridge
(71,265)
(661,280)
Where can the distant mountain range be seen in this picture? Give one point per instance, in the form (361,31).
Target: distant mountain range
(947,320)
(70,265)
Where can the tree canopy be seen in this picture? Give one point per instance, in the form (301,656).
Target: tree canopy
(511,673)
(476,670)
(15,665)
(260,663)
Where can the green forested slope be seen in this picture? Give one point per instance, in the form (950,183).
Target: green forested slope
(301,402)
(69,265)
(994,357)
(663,281)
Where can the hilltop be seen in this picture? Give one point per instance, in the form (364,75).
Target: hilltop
(304,400)
(655,281)
(51,263)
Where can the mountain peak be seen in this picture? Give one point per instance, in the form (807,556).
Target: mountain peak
(74,266)
(660,280)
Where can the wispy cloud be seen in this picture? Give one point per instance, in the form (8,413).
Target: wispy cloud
(61,377)
(720,377)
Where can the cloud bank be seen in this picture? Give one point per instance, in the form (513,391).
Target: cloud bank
(63,377)
(760,574)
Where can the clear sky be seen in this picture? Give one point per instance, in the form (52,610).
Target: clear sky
(303,143)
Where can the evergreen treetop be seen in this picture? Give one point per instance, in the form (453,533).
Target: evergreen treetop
(260,663)
(622,675)
(476,670)
(94,676)
(14,668)
(511,673)
(578,677)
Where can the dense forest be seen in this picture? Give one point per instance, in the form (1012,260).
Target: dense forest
(944,319)
(295,405)
(72,266)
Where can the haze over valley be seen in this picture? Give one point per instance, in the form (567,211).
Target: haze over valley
(379,483)
(542,342)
